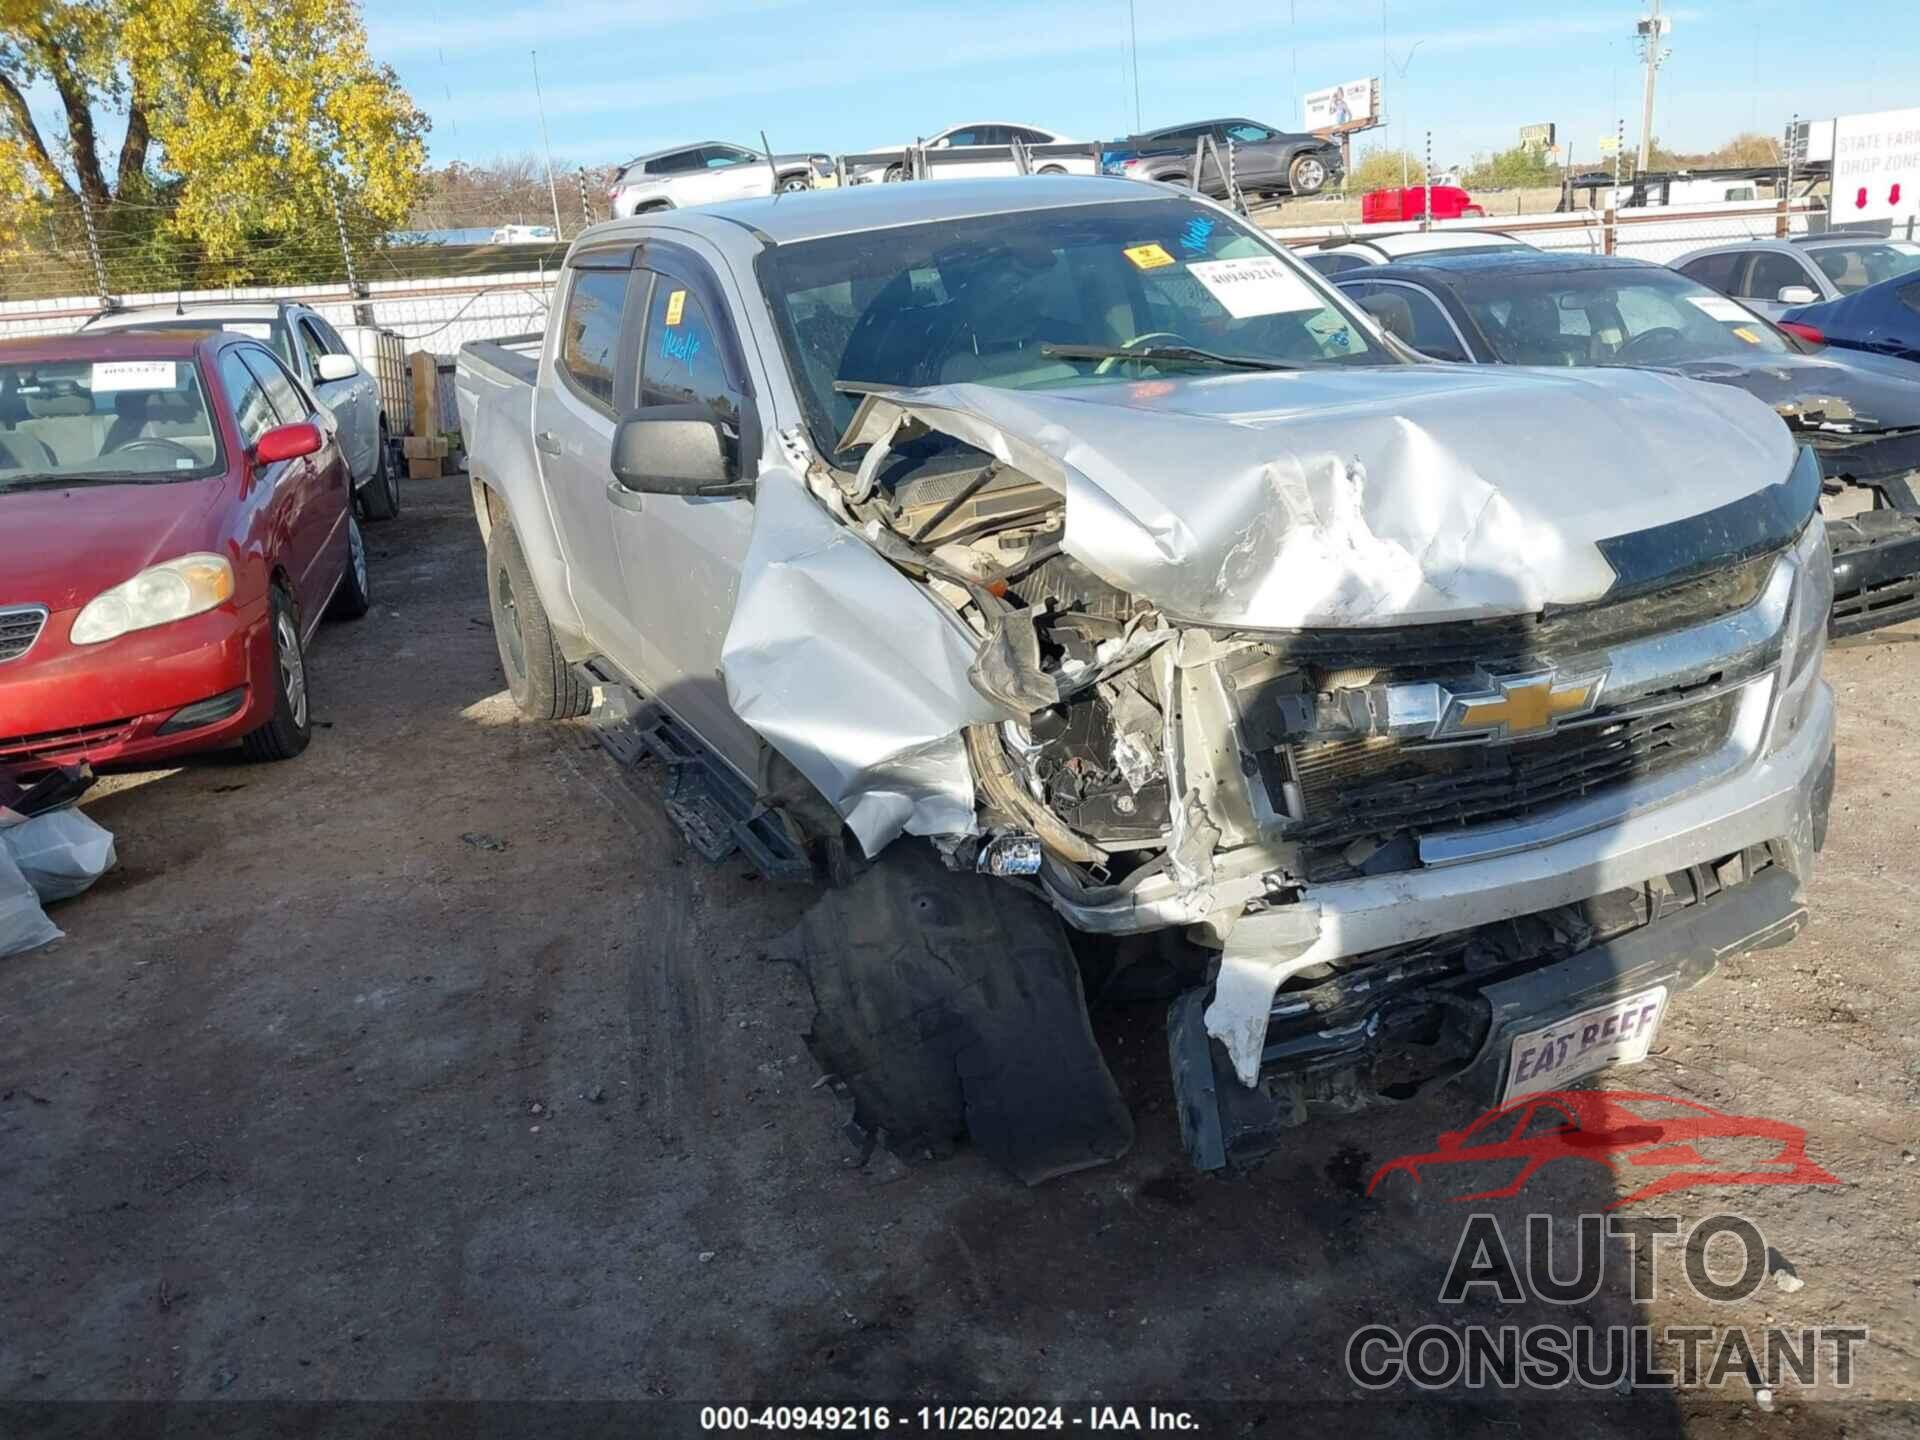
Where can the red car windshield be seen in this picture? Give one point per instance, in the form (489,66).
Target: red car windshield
(104,421)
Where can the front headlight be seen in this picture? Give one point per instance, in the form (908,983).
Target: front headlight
(163,593)
(1812,597)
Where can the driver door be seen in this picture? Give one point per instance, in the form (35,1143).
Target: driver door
(681,554)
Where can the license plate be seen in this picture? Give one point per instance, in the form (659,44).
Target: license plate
(1552,1057)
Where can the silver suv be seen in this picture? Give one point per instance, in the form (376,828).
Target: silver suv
(708,172)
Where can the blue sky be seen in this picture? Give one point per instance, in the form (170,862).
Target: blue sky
(623,76)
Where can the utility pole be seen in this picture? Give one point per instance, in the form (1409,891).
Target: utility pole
(553,190)
(1133,49)
(1652,33)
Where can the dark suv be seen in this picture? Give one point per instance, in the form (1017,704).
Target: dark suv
(1266,162)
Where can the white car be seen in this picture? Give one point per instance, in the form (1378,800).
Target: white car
(969,152)
(325,364)
(708,172)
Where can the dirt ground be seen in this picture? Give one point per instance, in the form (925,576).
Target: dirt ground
(432,1067)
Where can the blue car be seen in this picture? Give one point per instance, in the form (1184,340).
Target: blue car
(1883,318)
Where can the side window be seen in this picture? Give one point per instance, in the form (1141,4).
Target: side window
(1246,134)
(590,333)
(677,163)
(725,157)
(1432,332)
(289,401)
(335,345)
(974,136)
(1909,296)
(1714,271)
(1032,137)
(253,413)
(311,337)
(1771,273)
(681,363)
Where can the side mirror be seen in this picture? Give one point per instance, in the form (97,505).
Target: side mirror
(335,367)
(678,450)
(1798,295)
(288,442)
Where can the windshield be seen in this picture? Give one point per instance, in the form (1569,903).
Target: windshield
(1855,267)
(1627,315)
(118,421)
(985,301)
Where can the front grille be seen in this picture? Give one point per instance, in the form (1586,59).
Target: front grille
(19,628)
(1379,788)
(1523,642)
(52,746)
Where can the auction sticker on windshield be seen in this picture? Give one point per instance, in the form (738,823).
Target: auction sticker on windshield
(1617,1033)
(1258,286)
(1148,257)
(110,375)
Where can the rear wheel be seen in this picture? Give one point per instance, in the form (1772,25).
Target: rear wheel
(1053,169)
(352,598)
(287,731)
(381,494)
(1307,176)
(543,685)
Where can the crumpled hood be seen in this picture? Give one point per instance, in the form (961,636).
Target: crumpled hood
(66,546)
(1343,497)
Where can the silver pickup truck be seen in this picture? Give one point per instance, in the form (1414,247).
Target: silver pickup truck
(1087,597)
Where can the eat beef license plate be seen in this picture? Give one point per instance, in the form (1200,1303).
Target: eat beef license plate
(1617,1033)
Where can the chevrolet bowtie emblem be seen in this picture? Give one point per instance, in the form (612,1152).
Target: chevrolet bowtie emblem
(1525,704)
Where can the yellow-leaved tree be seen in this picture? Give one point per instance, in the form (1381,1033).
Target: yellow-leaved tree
(210,137)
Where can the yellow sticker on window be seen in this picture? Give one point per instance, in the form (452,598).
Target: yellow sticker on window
(1147,257)
(1747,335)
(676,302)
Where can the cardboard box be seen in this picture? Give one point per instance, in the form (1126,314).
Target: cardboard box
(423,467)
(424,447)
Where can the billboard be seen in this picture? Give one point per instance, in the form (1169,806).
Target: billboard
(1876,166)
(1354,105)
(1536,137)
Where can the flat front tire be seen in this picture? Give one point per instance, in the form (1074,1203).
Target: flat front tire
(543,685)
(286,732)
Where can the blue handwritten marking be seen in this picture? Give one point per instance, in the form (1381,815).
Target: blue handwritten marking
(682,345)
(1198,234)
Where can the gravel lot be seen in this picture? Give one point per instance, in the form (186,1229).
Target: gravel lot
(431,1066)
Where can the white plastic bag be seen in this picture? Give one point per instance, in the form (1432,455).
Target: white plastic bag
(60,853)
(23,924)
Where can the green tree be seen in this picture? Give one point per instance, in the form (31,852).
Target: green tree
(1378,168)
(1521,168)
(242,119)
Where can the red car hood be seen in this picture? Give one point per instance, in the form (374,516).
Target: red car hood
(63,547)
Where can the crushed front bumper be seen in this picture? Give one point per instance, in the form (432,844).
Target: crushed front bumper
(1876,570)
(1431,1020)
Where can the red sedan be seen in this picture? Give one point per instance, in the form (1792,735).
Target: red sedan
(177,517)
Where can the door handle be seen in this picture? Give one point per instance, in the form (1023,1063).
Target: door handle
(547,442)
(622,498)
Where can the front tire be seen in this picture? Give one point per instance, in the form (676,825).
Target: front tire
(1306,175)
(789,184)
(352,598)
(290,727)
(381,494)
(543,685)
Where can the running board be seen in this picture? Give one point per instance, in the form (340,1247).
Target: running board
(714,809)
